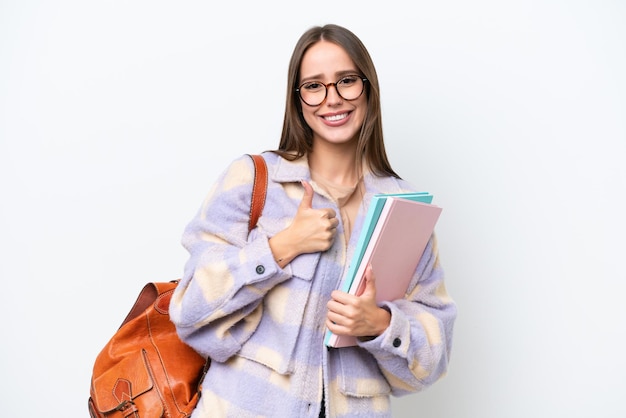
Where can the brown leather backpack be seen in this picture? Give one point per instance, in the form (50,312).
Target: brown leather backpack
(145,370)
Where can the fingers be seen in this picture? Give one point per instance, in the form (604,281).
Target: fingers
(338,315)
(344,319)
(337,328)
(330,214)
(356,315)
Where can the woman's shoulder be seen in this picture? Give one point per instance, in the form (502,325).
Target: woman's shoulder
(282,170)
(239,170)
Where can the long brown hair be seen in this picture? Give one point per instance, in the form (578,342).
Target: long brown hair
(296,138)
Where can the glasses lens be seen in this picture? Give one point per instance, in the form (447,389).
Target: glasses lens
(350,87)
(313,93)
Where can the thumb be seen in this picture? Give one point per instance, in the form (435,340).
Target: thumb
(307,199)
(370,283)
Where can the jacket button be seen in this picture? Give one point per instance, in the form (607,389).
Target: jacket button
(397,342)
(260,269)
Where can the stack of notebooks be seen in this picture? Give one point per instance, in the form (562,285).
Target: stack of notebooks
(395,232)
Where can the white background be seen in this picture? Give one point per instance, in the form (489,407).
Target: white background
(117,116)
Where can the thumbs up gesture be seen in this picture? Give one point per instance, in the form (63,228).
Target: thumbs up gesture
(312,230)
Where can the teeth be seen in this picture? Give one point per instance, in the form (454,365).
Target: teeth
(336,117)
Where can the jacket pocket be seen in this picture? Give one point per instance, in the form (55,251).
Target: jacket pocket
(358,373)
(274,340)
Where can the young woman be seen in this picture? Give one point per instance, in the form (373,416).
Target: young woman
(259,304)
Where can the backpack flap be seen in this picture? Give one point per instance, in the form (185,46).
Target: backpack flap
(123,384)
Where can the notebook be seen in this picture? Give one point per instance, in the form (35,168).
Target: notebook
(395,246)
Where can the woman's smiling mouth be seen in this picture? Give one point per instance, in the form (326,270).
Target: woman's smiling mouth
(335,118)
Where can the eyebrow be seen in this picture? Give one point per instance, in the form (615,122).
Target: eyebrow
(338,74)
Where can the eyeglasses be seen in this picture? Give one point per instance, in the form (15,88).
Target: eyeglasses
(349,88)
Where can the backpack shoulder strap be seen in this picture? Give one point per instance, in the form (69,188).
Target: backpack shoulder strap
(258,191)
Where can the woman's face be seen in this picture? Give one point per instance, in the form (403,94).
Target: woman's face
(336,120)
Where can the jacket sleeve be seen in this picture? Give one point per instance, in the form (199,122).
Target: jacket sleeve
(217,304)
(414,351)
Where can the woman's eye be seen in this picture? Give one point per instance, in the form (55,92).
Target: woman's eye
(348,80)
(313,85)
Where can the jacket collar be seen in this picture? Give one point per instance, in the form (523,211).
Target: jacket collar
(291,171)
(294,171)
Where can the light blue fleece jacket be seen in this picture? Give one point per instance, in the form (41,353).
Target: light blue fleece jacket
(263,326)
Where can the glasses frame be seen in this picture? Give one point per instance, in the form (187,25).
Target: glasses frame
(326,87)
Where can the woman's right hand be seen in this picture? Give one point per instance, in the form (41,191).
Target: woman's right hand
(312,230)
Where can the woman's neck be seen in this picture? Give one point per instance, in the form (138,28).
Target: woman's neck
(337,165)
(338,168)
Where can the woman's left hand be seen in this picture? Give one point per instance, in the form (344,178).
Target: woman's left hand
(358,316)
